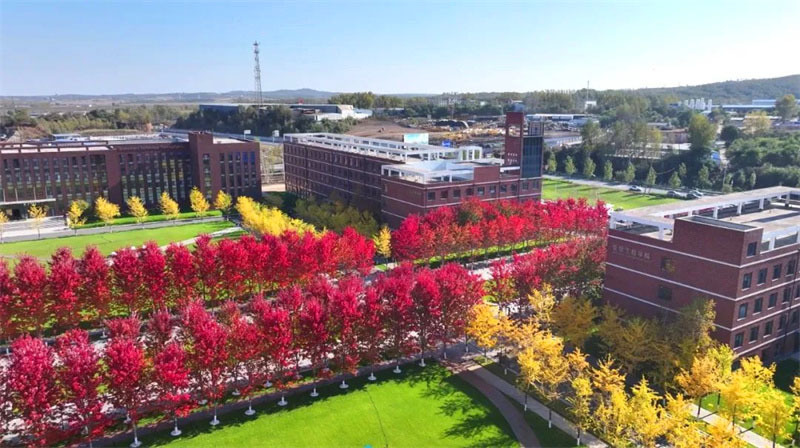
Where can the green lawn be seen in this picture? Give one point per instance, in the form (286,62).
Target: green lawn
(419,408)
(559,189)
(150,218)
(108,242)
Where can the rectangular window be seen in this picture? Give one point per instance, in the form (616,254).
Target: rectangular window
(664,293)
(773,300)
(503,188)
(790,267)
(776,271)
(753,334)
(762,276)
(524,186)
(469,191)
(431,195)
(492,190)
(738,340)
(787,295)
(667,265)
(746,280)
(481,191)
(751,249)
(444,194)
(794,317)
(768,328)
(456,194)
(742,311)
(781,322)
(757,305)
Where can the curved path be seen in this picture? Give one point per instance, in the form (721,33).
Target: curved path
(512,414)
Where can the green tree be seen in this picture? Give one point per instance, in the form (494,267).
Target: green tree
(703,180)
(752,180)
(786,107)
(682,171)
(630,173)
(608,171)
(590,134)
(675,180)
(588,167)
(728,134)
(701,132)
(551,164)
(727,183)
(569,166)
(651,177)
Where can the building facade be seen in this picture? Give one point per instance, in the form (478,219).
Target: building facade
(395,179)
(56,173)
(739,250)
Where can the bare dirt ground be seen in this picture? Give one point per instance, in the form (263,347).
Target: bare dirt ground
(386,129)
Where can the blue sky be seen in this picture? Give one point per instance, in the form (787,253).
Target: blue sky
(429,46)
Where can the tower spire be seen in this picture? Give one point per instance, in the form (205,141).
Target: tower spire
(257,74)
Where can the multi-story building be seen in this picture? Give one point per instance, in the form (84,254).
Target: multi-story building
(396,179)
(56,173)
(739,250)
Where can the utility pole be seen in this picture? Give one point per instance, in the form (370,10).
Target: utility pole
(257,74)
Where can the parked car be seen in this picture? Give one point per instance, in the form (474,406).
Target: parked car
(676,194)
(636,188)
(696,193)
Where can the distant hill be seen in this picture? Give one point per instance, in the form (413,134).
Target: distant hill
(179,97)
(721,92)
(733,91)
(237,96)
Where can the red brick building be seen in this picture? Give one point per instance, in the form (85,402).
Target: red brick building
(396,179)
(740,250)
(56,173)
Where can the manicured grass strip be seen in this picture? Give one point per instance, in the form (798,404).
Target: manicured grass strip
(149,218)
(108,242)
(559,189)
(418,408)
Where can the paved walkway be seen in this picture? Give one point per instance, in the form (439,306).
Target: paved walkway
(212,235)
(535,406)
(522,430)
(748,436)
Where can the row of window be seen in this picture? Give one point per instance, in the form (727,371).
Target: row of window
(753,332)
(479,191)
(777,271)
(772,301)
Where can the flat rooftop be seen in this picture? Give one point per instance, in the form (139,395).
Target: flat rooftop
(441,171)
(776,210)
(386,149)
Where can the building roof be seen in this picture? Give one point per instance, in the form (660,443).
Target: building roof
(771,209)
(383,149)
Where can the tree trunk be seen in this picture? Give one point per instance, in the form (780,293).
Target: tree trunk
(699,401)
(549,418)
(136,441)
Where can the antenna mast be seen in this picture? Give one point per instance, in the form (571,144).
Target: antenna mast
(257,75)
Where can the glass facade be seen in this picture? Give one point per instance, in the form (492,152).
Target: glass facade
(531,164)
